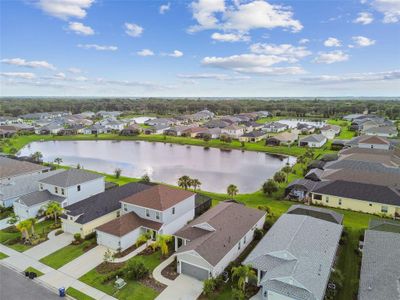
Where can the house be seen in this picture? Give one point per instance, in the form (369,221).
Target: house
(369,142)
(84,216)
(177,130)
(10,120)
(96,129)
(380,272)
(233,131)
(304,128)
(299,189)
(254,136)
(52,128)
(216,123)
(156,129)
(133,129)
(294,259)
(208,244)
(330,131)
(66,187)
(385,131)
(202,115)
(275,127)
(316,212)
(159,209)
(12,169)
(313,141)
(114,125)
(251,126)
(284,138)
(159,122)
(194,131)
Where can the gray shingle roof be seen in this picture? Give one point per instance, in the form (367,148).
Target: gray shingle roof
(71,177)
(298,248)
(314,138)
(12,167)
(380,272)
(316,212)
(38,197)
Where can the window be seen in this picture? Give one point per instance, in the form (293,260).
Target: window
(56,190)
(244,240)
(340,201)
(147,213)
(125,207)
(157,215)
(384,209)
(70,217)
(370,204)
(239,246)
(118,214)
(41,186)
(327,199)
(62,192)
(173,210)
(317,197)
(78,188)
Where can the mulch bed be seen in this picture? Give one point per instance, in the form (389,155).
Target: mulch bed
(105,267)
(89,247)
(170,271)
(153,284)
(126,251)
(147,251)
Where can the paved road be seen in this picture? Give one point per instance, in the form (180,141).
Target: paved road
(16,287)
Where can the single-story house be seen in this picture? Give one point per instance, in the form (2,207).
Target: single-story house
(193,131)
(316,212)
(254,136)
(275,127)
(305,128)
(299,189)
(313,141)
(385,131)
(294,259)
(133,129)
(13,169)
(284,138)
(330,131)
(208,244)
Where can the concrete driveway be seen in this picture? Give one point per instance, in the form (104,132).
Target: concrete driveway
(50,246)
(183,288)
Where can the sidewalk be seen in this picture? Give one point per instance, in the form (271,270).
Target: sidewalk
(157,271)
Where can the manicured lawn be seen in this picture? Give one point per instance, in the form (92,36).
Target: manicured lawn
(3,256)
(78,295)
(345,134)
(31,269)
(63,256)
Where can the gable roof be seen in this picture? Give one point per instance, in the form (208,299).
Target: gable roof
(313,138)
(255,133)
(298,248)
(159,197)
(38,197)
(316,212)
(12,167)
(101,204)
(373,139)
(217,231)
(71,177)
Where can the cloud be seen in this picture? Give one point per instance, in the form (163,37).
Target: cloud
(355,77)
(389,8)
(213,76)
(175,53)
(242,17)
(364,18)
(332,42)
(304,41)
(98,47)
(362,41)
(230,37)
(80,29)
(292,53)
(65,9)
(74,70)
(20,75)
(30,64)
(164,8)
(331,57)
(60,75)
(145,52)
(133,30)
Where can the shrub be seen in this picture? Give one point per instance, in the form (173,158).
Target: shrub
(267,225)
(77,238)
(258,234)
(136,269)
(58,232)
(209,286)
(90,236)
(237,294)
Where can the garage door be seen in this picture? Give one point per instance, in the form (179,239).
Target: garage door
(194,271)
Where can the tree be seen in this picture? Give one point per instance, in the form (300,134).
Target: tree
(78,166)
(53,209)
(58,160)
(136,269)
(195,183)
(24,227)
(143,238)
(184,182)
(145,178)
(280,177)
(37,156)
(207,137)
(117,172)
(269,187)
(243,274)
(12,219)
(33,222)
(287,169)
(162,243)
(232,190)
(209,286)
(238,294)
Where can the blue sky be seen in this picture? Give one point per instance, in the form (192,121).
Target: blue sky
(200,48)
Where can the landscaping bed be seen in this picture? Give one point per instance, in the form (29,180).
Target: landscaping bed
(170,271)
(126,251)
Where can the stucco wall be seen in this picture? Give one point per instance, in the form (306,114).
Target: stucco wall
(176,224)
(115,242)
(25,212)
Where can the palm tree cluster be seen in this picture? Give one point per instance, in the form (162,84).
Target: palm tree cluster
(53,209)
(186,182)
(37,156)
(232,190)
(25,226)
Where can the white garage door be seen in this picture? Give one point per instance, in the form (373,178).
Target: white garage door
(194,271)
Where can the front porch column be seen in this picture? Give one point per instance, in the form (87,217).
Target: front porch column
(176,243)
(258,277)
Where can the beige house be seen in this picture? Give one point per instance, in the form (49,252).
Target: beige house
(284,138)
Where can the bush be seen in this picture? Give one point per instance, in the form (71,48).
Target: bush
(90,236)
(77,238)
(60,231)
(111,276)
(237,294)
(258,234)
(209,286)
(136,269)
(267,225)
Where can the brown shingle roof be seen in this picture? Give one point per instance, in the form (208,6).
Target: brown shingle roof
(159,197)
(374,140)
(12,167)
(127,223)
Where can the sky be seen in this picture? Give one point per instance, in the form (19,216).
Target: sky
(200,48)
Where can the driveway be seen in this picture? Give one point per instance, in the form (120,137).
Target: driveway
(50,246)
(4,224)
(183,288)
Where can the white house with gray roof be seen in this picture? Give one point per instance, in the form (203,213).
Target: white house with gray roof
(313,141)
(294,259)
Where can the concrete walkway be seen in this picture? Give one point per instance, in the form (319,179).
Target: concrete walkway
(130,255)
(4,224)
(51,245)
(182,288)
(157,271)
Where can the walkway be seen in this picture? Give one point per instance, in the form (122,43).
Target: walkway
(4,224)
(132,254)
(157,271)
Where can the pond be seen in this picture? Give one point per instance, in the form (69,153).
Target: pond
(292,123)
(165,162)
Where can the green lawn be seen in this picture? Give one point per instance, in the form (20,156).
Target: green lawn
(345,134)
(63,256)
(78,295)
(31,269)
(3,255)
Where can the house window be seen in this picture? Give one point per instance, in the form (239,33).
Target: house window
(125,207)
(56,190)
(147,213)
(370,204)
(340,201)
(239,246)
(244,240)
(173,210)
(70,217)
(78,188)
(327,199)
(41,186)
(317,197)
(118,214)
(384,209)
(157,215)
(62,192)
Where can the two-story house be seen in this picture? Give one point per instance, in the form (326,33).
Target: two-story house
(159,209)
(233,131)
(67,187)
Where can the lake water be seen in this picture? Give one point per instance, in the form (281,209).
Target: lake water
(165,162)
(292,123)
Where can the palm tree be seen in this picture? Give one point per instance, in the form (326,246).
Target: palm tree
(287,169)
(269,187)
(58,160)
(232,190)
(53,209)
(162,243)
(184,182)
(37,156)
(143,238)
(24,227)
(243,274)
(33,222)
(195,183)
(117,172)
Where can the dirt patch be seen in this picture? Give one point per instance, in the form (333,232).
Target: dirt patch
(153,284)
(170,271)
(147,251)
(105,267)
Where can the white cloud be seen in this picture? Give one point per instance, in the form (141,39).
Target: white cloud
(145,52)
(175,53)
(230,37)
(133,30)
(331,57)
(364,18)
(60,76)
(20,75)
(304,41)
(242,17)
(80,28)
(30,64)
(74,70)
(332,42)
(389,8)
(213,76)
(98,47)
(292,53)
(65,9)
(164,8)
(371,76)
(362,41)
